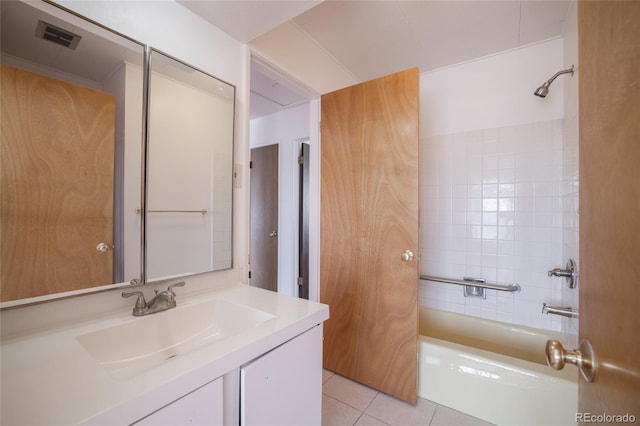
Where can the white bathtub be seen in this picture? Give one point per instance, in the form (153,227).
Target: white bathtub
(493,371)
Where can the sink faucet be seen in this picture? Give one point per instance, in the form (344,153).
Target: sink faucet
(162,300)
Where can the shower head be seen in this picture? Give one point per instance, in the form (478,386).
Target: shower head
(543,90)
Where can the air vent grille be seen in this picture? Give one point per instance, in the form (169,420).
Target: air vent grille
(57,35)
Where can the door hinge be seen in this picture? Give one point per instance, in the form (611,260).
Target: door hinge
(300,160)
(249,274)
(300,281)
(251,164)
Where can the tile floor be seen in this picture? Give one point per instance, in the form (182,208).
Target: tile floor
(348,403)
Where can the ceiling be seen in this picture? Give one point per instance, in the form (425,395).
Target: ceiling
(375,38)
(97,55)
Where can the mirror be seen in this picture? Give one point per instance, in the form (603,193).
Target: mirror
(189,171)
(71,153)
(70,173)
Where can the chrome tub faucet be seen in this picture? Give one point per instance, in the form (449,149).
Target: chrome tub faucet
(162,300)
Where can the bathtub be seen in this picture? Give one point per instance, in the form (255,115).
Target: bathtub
(494,371)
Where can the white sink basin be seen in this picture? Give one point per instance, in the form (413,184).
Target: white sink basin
(128,349)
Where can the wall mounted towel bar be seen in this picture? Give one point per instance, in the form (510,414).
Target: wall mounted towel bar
(203,211)
(513,288)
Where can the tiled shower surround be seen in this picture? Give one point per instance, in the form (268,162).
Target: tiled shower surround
(492,208)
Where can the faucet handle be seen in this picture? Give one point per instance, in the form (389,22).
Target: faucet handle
(140,302)
(170,288)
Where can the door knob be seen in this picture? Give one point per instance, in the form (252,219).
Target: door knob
(583,358)
(103,247)
(407,256)
(273,234)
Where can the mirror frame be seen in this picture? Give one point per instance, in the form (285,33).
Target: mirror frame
(136,282)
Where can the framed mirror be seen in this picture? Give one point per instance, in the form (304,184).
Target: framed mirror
(71,152)
(189,170)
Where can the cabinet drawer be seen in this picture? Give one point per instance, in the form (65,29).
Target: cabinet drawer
(203,406)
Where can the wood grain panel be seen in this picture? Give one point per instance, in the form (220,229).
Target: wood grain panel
(56,185)
(369,216)
(609,72)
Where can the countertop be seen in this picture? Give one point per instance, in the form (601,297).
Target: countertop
(50,379)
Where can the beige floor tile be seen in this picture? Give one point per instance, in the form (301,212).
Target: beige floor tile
(326,375)
(367,420)
(335,413)
(399,413)
(445,416)
(351,393)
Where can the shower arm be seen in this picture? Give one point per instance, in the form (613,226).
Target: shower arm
(567,71)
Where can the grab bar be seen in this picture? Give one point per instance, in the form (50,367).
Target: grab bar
(203,211)
(513,288)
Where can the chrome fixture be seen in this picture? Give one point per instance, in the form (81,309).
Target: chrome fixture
(543,90)
(161,301)
(474,290)
(203,211)
(556,310)
(514,288)
(584,358)
(570,273)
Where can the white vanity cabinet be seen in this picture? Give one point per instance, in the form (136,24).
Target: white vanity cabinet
(263,365)
(281,387)
(284,386)
(203,406)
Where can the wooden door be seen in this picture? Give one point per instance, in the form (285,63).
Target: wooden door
(264,217)
(609,72)
(57,185)
(369,217)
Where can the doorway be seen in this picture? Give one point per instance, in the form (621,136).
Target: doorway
(281,116)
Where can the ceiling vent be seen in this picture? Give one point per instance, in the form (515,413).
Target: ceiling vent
(57,35)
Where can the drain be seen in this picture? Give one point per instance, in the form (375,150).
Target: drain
(172,356)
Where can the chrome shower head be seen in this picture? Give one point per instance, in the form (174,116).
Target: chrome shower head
(543,90)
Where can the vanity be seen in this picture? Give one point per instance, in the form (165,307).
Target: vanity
(236,355)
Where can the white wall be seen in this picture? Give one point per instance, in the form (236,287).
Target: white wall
(122,83)
(132,172)
(491,183)
(285,128)
(491,92)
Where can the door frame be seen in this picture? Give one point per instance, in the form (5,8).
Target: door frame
(291,156)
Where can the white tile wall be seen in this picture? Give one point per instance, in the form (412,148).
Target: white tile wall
(492,207)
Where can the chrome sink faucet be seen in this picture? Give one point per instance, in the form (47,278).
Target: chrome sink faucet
(162,300)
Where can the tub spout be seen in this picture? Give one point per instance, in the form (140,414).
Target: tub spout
(562,311)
